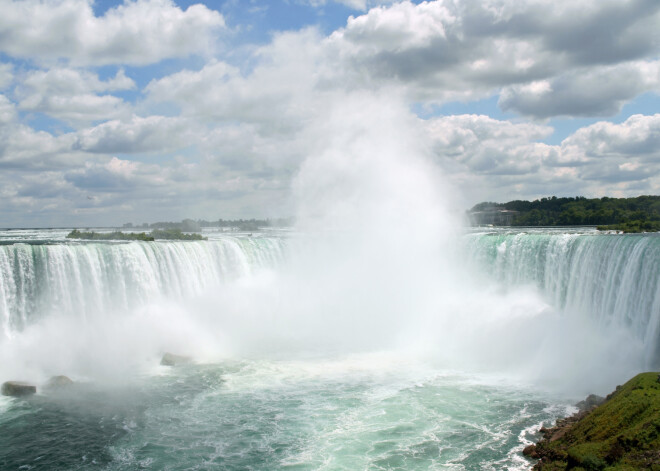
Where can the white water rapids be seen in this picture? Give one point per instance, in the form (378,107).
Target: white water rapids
(377,335)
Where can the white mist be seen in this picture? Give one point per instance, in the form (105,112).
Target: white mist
(376,266)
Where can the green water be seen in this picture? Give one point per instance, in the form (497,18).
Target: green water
(345,414)
(313,358)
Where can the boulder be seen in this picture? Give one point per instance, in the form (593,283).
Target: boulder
(530,451)
(18,389)
(59,381)
(170,359)
(590,402)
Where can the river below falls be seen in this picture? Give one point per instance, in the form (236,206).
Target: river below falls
(357,413)
(315,352)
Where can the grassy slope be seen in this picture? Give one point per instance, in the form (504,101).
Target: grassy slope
(621,434)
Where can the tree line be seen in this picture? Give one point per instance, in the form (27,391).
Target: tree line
(637,214)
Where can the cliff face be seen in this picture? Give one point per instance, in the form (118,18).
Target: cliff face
(621,434)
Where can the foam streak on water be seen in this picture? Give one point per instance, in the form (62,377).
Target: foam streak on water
(341,414)
(490,376)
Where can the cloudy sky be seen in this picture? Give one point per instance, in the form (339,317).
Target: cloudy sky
(143,110)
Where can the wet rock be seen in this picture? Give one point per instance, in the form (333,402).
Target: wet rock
(18,389)
(559,433)
(590,402)
(530,452)
(170,359)
(59,381)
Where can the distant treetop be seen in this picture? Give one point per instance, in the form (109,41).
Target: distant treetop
(627,214)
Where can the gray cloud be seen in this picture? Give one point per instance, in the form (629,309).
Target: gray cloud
(6,75)
(73,95)
(587,92)
(45,186)
(7,111)
(622,173)
(116,175)
(605,32)
(21,147)
(443,51)
(137,135)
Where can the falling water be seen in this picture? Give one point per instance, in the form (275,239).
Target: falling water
(377,336)
(84,280)
(612,280)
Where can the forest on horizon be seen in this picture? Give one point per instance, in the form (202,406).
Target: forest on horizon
(638,214)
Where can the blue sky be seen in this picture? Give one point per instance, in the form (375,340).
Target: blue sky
(145,110)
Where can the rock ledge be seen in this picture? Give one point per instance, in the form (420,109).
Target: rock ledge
(17,389)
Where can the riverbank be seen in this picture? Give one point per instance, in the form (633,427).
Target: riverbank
(623,433)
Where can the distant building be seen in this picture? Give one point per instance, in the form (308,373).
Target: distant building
(493,216)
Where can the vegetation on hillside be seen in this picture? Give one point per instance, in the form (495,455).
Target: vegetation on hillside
(621,434)
(625,214)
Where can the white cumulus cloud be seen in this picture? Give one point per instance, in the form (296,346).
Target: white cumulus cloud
(137,135)
(600,91)
(72,95)
(137,32)
(638,136)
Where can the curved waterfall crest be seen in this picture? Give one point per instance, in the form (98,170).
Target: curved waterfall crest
(81,279)
(613,279)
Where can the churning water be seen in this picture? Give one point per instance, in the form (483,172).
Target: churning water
(366,374)
(375,337)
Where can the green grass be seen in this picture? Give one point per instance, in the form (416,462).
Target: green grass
(621,434)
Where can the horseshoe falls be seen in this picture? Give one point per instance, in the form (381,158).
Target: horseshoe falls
(315,351)
(612,281)
(79,280)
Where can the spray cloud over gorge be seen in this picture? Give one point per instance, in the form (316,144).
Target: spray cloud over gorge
(377,264)
(378,333)
(381,332)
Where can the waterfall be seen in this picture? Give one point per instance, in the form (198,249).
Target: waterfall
(613,279)
(590,293)
(87,279)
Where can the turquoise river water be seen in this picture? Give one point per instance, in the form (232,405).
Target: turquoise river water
(303,359)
